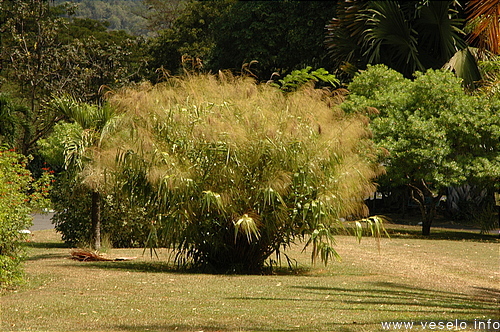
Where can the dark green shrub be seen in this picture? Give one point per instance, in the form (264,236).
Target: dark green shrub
(125,226)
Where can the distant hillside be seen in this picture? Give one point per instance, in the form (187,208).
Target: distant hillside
(127,15)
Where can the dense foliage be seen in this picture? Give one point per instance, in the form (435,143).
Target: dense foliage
(436,134)
(19,195)
(406,36)
(13,121)
(43,53)
(279,36)
(233,172)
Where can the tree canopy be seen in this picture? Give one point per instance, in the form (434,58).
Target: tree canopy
(436,134)
(279,35)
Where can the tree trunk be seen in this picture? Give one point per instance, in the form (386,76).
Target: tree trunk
(499,221)
(427,210)
(96,220)
(426,227)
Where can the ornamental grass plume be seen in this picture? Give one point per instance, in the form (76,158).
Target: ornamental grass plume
(232,172)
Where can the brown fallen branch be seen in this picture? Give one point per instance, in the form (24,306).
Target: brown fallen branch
(83,255)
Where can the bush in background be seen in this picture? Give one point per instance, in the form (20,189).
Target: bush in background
(123,225)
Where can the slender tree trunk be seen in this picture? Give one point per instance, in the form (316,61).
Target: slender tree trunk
(426,226)
(499,221)
(428,207)
(96,220)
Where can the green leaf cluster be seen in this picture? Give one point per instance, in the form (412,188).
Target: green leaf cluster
(433,130)
(300,77)
(19,195)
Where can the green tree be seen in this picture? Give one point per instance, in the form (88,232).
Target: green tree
(231,172)
(190,38)
(99,59)
(278,36)
(29,52)
(436,134)
(45,53)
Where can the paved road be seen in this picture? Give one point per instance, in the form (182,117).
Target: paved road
(41,222)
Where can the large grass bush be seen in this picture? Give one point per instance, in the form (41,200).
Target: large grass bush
(231,172)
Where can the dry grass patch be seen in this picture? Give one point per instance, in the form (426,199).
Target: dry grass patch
(411,279)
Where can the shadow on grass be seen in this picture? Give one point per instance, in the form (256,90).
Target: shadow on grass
(383,294)
(46,256)
(132,266)
(165,266)
(394,297)
(46,245)
(173,327)
(339,327)
(440,234)
(190,328)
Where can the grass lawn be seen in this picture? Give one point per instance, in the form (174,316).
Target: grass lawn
(442,278)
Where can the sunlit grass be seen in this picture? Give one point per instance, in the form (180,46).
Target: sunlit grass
(411,279)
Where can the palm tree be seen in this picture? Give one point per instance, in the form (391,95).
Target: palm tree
(484,21)
(83,149)
(406,36)
(483,24)
(415,35)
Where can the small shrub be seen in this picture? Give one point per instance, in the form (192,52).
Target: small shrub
(19,195)
(123,225)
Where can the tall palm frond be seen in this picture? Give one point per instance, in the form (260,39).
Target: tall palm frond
(88,116)
(404,35)
(484,17)
(388,38)
(464,64)
(75,149)
(439,34)
(342,39)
